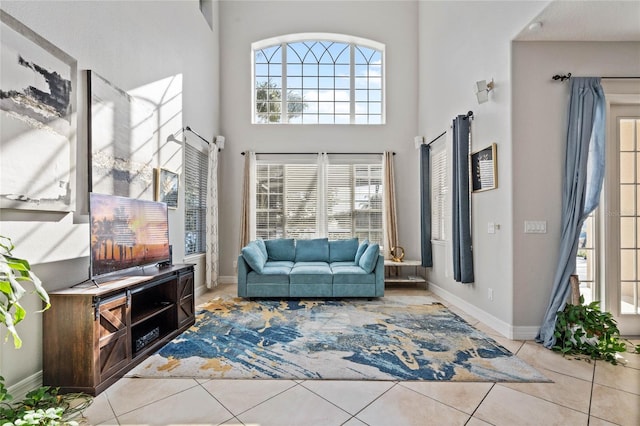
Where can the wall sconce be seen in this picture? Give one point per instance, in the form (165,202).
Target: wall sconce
(482,90)
(219,141)
(417,141)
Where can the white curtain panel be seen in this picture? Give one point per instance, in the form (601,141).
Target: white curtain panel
(212,259)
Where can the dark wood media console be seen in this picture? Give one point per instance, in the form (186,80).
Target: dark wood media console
(93,335)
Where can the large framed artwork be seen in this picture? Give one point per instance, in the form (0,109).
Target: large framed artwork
(37,121)
(121,131)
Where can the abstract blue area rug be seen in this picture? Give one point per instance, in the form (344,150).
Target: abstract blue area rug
(385,339)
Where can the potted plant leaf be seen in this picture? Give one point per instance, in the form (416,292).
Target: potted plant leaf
(586,330)
(14,272)
(42,406)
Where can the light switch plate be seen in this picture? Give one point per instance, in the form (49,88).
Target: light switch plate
(491,228)
(535,226)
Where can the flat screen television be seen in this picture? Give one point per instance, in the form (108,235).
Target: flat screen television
(126,233)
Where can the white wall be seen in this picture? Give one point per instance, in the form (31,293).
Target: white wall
(461,43)
(158,48)
(539,132)
(392,23)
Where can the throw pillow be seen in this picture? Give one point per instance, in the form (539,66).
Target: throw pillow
(253,256)
(370,258)
(361,248)
(263,248)
(281,249)
(343,250)
(316,250)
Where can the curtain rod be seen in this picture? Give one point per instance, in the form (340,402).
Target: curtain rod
(563,77)
(469,115)
(308,153)
(187,128)
(197,134)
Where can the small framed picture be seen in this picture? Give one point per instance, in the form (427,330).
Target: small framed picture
(484,169)
(167,187)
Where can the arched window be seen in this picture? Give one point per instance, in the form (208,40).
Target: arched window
(318,79)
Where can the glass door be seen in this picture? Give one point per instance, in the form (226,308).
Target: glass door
(622,218)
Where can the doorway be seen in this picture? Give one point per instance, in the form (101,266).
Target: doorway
(620,217)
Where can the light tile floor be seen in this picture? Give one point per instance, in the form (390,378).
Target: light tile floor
(582,393)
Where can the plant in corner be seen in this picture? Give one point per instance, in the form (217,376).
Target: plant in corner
(13,272)
(586,330)
(42,406)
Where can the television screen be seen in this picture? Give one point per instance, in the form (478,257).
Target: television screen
(126,233)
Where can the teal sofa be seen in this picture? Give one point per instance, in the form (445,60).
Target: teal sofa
(288,268)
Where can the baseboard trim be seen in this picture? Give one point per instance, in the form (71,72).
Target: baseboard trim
(228,279)
(507,330)
(20,389)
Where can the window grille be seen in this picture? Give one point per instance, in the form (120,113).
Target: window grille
(318,81)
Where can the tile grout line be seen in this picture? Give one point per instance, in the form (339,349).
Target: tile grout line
(158,400)
(441,402)
(481,401)
(254,406)
(353,416)
(593,381)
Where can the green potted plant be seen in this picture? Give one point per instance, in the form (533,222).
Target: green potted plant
(42,406)
(586,330)
(13,273)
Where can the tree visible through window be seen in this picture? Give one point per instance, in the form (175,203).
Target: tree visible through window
(338,80)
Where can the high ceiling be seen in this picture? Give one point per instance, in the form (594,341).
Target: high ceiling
(607,20)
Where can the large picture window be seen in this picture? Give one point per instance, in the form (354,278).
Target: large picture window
(318,79)
(312,196)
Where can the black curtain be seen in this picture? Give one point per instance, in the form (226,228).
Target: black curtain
(425,205)
(461,223)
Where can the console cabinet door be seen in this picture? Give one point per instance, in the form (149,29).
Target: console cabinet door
(114,347)
(186,301)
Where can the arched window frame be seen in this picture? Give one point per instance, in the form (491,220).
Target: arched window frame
(355,103)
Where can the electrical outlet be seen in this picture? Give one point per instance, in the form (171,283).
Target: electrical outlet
(490,294)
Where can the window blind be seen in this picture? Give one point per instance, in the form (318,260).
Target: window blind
(195,182)
(334,196)
(439,190)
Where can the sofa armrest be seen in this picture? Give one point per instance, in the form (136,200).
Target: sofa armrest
(379,271)
(243,271)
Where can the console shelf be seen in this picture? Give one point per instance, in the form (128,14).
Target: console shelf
(150,312)
(94,334)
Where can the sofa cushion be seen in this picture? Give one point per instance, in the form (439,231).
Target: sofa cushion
(311,274)
(334,264)
(272,276)
(370,258)
(286,263)
(253,256)
(263,248)
(361,248)
(343,250)
(316,250)
(352,275)
(281,249)
(310,264)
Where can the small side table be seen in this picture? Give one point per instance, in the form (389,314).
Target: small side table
(393,272)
